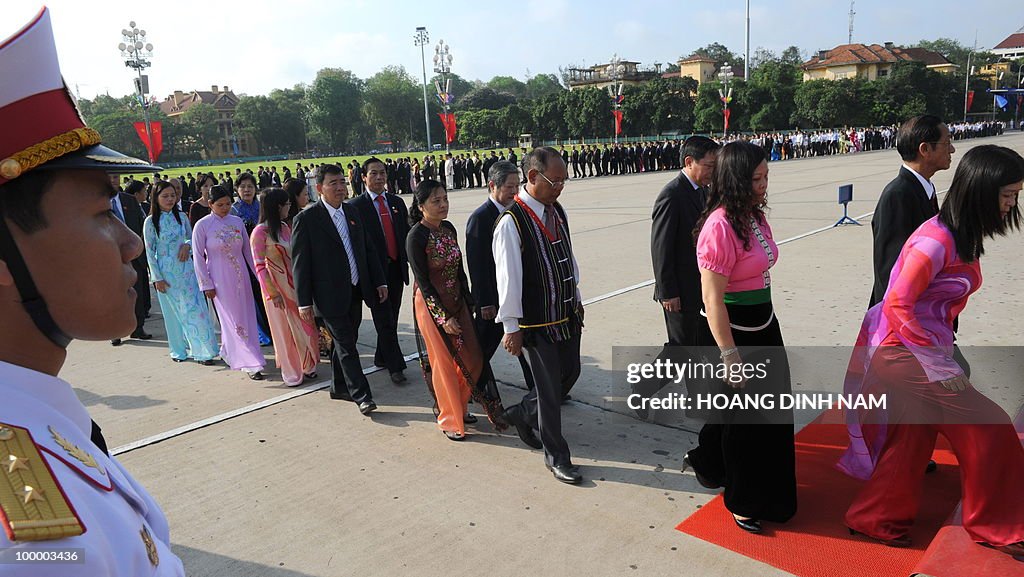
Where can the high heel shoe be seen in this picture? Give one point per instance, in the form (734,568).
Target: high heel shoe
(748,525)
(704,481)
(901,542)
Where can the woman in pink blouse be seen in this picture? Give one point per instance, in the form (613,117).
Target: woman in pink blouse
(905,350)
(748,452)
(296,344)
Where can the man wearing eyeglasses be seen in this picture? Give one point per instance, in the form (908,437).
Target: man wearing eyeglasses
(539,304)
(926,147)
(910,199)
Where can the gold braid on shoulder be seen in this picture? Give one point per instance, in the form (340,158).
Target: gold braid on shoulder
(47,150)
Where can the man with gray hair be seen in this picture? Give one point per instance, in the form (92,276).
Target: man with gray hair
(539,304)
(502,182)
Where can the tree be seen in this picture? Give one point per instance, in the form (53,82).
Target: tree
(588,112)
(658,106)
(720,54)
(199,128)
(773,85)
(259,117)
(761,56)
(792,55)
(548,118)
(828,103)
(335,100)
(392,104)
(486,98)
(542,85)
(508,85)
(480,127)
(513,120)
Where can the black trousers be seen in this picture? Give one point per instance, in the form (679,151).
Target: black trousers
(749,452)
(347,378)
(385,321)
(143,299)
(490,333)
(682,337)
(555,368)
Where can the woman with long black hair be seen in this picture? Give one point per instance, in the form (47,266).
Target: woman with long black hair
(454,367)
(168,236)
(748,452)
(295,342)
(905,351)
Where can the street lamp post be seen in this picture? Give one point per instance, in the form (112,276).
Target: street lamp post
(421,39)
(616,69)
(725,74)
(136,53)
(443,66)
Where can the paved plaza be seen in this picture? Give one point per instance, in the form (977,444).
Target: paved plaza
(309,487)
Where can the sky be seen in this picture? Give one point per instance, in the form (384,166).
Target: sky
(258,45)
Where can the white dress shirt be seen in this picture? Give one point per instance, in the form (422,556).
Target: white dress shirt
(341,224)
(929,188)
(508,266)
(112,506)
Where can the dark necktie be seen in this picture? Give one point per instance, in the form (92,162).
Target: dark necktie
(551,222)
(97,438)
(389,228)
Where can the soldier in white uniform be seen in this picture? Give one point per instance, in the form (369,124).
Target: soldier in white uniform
(66,507)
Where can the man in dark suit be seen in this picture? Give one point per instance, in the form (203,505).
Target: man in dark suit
(387,224)
(503,183)
(129,211)
(924,145)
(335,269)
(676,211)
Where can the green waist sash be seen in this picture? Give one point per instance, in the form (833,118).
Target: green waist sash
(754,297)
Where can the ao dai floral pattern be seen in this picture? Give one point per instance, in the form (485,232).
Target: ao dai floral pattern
(223,261)
(445,262)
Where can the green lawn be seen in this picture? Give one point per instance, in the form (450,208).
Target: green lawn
(219,169)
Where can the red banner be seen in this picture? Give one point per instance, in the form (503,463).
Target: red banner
(618,121)
(970,99)
(448,120)
(154,142)
(726,112)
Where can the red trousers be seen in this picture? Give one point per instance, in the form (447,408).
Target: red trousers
(990,455)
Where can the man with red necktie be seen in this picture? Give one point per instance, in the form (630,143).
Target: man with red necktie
(387,222)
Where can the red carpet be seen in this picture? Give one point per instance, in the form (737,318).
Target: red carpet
(816,543)
(953,554)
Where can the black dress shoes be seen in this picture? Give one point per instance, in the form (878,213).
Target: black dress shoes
(257,376)
(748,525)
(398,377)
(367,407)
(141,335)
(208,363)
(511,416)
(566,473)
(115,343)
(470,419)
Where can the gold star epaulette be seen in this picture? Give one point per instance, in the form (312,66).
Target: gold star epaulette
(32,505)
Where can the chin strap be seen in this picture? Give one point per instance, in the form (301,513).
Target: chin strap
(33,302)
